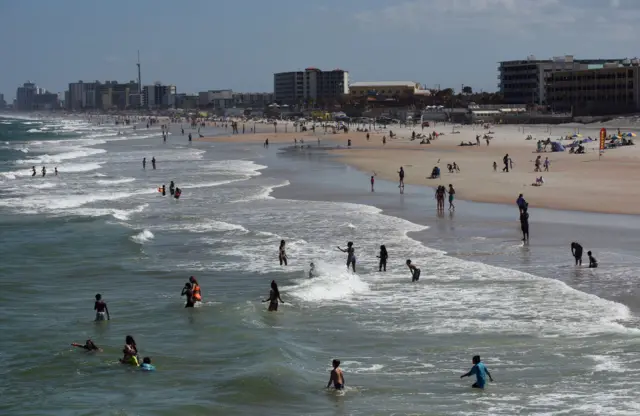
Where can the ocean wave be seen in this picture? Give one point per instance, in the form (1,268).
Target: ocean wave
(115,181)
(56,158)
(142,237)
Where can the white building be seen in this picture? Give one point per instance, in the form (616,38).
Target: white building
(159,96)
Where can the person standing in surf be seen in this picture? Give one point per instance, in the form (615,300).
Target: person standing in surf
(130,352)
(196,292)
(33,170)
(44,171)
(524,224)
(144,163)
(101,309)
(415,272)
(172,187)
(188,292)
(153,162)
(401,178)
(480,372)
(282,254)
(336,377)
(452,193)
(383,258)
(274,297)
(351,255)
(576,251)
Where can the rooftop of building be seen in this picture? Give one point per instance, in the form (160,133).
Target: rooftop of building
(383,84)
(566,58)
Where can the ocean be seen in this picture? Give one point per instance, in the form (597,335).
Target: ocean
(557,340)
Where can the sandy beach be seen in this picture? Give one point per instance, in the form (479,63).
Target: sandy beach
(574,182)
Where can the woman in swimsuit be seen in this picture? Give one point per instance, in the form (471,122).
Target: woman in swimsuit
(130,352)
(274,297)
(282,254)
(351,255)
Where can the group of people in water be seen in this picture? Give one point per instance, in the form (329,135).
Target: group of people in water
(174,191)
(43,171)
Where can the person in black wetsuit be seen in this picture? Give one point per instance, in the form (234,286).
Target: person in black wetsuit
(351,255)
(383,258)
(144,163)
(524,224)
(593,263)
(153,162)
(44,171)
(576,250)
(415,272)
(186,291)
(172,187)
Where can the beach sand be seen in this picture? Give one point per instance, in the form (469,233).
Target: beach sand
(574,182)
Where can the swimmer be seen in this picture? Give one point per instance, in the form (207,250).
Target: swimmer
(195,290)
(130,351)
(88,346)
(146,365)
(33,170)
(593,263)
(101,309)
(480,371)
(336,377)
(274,297)
(282,254)
(576,250)
(312,270)
(383,258)
(351,255)
(415,272)
(172,187)
(186,291)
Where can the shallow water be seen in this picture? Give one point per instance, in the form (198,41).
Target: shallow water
(552,345)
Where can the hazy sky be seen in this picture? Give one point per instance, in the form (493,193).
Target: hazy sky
(239,44)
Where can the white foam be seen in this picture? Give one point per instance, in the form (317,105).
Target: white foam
(142,237)
(57,158)
(204,227)
(115,181)
(78,167)
(265,193)
(119,214)
(333,282)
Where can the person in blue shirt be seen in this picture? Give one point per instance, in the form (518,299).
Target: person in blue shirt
(480,371)
(146,365)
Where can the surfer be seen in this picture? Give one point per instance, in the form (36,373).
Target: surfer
(101,309)
(415,272)
(576,250)
(195,290)
(383,258)
(336,377)
(351,255)
(480,371)
(146,365)
(33,170)
(130,352)
(88,346)
(593,263)
(282,254)
(274,297)
(171,188)
(188,292)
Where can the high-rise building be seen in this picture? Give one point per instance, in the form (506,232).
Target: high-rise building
(311,86)
(3,103)
(217,99)
(25,96)
(159,96)
(525,81)
(253,99)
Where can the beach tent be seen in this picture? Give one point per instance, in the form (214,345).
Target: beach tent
(557,147)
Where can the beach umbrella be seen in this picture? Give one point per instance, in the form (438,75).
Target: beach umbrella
(630,134)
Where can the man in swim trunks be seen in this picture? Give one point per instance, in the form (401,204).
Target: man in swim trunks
(337,376)
(576,250)
(480,371)
(415,272)
(101,308)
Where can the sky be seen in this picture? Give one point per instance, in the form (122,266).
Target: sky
(199,45)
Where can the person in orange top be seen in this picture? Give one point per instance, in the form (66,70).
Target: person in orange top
(195,288)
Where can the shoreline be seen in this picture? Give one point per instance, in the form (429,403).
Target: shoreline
(574,182)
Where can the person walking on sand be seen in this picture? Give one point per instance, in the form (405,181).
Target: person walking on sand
(372,183)
(537,164)
(401,178)
(495,166)
(546,164)
(452,193)
(440,194)
(505,161)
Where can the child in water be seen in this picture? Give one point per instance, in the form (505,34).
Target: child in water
(415,272)
(101,309)
(337,376)
(88,346)
(146,365)
(480,371)
(593,263)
